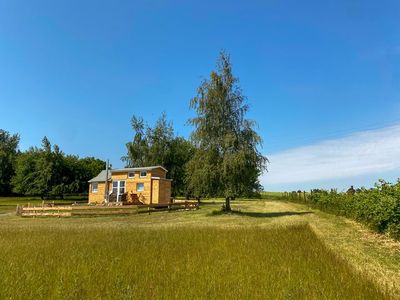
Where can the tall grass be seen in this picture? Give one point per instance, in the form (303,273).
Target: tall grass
(180,263)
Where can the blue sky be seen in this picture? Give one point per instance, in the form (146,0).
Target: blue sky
(314,72)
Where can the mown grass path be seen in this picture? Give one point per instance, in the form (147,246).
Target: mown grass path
(268,249)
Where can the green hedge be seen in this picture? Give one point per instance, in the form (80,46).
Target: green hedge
(379,207)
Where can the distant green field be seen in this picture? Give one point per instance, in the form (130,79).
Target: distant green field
(266,249)
(271,195)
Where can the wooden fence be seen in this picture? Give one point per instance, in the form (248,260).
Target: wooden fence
(99,210)
(296,196)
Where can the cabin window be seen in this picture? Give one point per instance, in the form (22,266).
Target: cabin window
(121,187)
(131,175)
(118,187)
(115,187)
(95,187)
(143,174)
(140,187)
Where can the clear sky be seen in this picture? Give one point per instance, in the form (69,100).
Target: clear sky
(318,75)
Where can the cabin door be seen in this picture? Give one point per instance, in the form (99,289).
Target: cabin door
(118,189)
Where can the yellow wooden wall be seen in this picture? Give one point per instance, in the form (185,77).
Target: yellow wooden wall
(131,187)
(155,190)
(97,197)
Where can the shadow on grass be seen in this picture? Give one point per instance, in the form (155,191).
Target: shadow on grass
(260,214)
(211,203)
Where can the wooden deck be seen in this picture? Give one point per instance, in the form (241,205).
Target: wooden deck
(99,210)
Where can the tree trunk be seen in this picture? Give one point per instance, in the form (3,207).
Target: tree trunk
(228,204)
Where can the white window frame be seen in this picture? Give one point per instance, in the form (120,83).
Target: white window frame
(119,187)
(95,190)
(130,173)
(141,172)
(137,186)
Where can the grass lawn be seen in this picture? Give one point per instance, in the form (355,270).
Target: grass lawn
(269,250)
(8,204)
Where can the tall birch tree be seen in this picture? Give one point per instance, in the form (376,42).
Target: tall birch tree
(227,161)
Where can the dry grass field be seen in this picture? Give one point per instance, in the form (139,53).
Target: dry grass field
(266,249)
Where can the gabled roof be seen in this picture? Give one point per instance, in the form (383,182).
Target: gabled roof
(138,169)
(101,177)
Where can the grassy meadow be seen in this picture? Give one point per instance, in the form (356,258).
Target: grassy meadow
(267,249)
(8,204)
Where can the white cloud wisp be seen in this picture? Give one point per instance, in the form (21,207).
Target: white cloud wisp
(362,153)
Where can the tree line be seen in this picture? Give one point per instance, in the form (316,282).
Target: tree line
(44,171)
(221,158)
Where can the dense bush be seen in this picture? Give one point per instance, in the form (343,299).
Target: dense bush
(378,207)
(50,173)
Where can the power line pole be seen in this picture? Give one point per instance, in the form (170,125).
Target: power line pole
(106,194)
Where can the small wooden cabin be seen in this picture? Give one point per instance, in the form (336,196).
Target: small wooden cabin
(147,185)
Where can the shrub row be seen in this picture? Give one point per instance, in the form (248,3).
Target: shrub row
(378,207)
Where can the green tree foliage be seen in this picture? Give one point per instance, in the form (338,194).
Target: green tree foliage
(227,161)
(88,167)
(378,207)
(47,171)
(8,155)
(159,145)
(137,155)
(181,152)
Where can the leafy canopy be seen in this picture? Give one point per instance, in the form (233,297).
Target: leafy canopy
(227,161)
(159,145)
(8,154)
(47,171)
